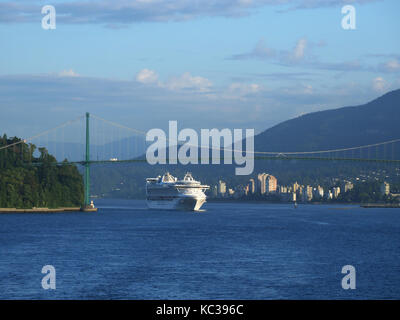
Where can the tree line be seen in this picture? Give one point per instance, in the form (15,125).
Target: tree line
(28,181)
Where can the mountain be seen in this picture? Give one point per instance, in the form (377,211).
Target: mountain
(373,122)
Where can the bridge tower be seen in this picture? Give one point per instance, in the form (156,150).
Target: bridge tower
(87,205)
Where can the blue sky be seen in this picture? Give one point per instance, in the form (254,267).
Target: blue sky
(234,64)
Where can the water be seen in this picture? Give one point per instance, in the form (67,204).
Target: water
(230,251)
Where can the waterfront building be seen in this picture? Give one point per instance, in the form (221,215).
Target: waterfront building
(336,192)
(309,192)
(215,191)
(385,188)
(247,190)
(283,189)
(252,186)
(319,192)
(271,184)
(348,186)
(221,188)
(262,179)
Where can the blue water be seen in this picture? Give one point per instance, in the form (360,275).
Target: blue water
(229,251)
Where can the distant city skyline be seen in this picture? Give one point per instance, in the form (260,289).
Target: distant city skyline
(267,188)
(235,64)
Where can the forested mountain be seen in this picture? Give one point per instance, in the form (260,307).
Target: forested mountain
(373,122)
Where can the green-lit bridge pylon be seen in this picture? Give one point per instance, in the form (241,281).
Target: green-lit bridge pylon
(87,164)
(87,205)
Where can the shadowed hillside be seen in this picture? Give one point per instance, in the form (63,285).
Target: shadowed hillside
(376,121)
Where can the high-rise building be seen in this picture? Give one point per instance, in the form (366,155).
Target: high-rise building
(283,189)
(262,182)
(306,194)
(221,187)
(271,184)
(348,186)
(295,187)
(247,189)
(319,191)
(336,192)
(215,191)
(385,188)
(252,186)
(309,193)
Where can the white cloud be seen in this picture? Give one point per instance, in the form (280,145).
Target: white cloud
(68,73)
(147,76)
(392,65)
(379,84)
(299,49)
(187,81)
(244,88)
(183,82)
(261,50)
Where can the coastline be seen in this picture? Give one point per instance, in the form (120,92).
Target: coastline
(43,210)
(363,205)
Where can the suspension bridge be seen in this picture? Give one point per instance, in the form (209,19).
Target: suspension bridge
(90,139)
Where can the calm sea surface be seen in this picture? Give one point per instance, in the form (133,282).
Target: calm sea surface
(229,251)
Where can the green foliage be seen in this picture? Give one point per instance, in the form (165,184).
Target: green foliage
(27,181)
(365,192)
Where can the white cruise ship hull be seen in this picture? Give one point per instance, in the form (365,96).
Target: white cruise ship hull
(178,203)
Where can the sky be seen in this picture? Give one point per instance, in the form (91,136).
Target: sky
(223,64)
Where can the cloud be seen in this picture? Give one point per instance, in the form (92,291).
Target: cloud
(302,55)
(116,13)
(262,52)
(315,4)
(299,49)
(147,76)
(188,82)
(240,90)
(183,82)
(379,84)
(40,101)
(392,65)
(68,73)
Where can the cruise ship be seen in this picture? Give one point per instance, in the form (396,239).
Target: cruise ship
(168,193)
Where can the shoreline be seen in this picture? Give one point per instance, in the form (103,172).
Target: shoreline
(46,210)
(363,205)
